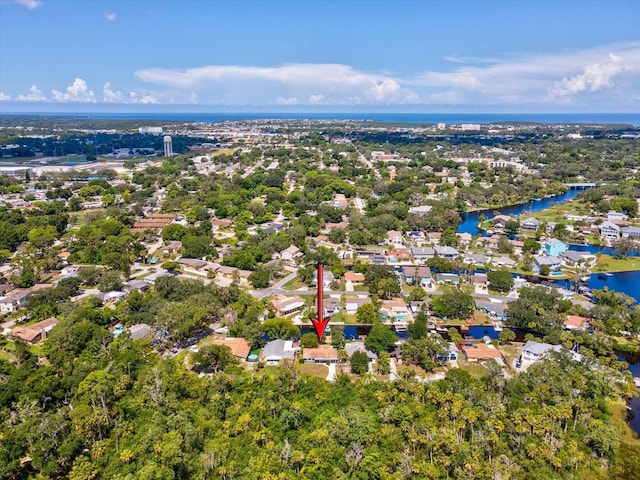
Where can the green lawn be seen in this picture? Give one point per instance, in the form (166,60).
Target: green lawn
(293,284)
(608,263)
(314,369)
(475,369)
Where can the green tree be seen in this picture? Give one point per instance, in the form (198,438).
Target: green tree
(500,280)
(367,314)
(261,277)
(280,328)
(197,246)
(309,340)
(359,362)
(506,336)
(110,280)
(419,327)
(381,338)
(213,358)
(453,305)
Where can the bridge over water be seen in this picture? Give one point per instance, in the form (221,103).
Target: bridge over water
(577,186)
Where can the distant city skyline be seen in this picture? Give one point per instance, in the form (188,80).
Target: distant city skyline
(404,56)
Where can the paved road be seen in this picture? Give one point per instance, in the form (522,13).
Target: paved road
(331,376)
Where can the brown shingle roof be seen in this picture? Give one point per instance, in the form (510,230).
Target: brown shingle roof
(239,346)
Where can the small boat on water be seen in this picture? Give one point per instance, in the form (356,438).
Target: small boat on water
(604,275)
(497,326)
(441,329)
(586,278)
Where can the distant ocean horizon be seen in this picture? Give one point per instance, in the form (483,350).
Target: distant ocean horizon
(383,117)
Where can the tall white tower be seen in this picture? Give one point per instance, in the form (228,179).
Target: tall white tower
(168,146)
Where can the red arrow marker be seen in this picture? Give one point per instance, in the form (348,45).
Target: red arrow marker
(320,323)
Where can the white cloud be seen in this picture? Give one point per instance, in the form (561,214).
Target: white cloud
(593,78)
(4,98)
(142,98)
(34,95)
(316,99)
(287,101)
(334,82)
(111,96)
(77,92)
(30,4)
(535,79)
(109,17)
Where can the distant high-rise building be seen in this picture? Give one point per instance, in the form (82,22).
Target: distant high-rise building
(168,146)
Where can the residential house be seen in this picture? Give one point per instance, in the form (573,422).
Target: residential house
(554,263)
(479,280)
(353,303)
(139,331)
(239,346)
(610,230)
(450,355)
(448,253)
(442,278)
(395,310)
(290,254)
(422,254)
(112,297)
(14,301)
(464,239)
(434,238)
(504,262)
(151,279)
(495,310)
(34,333)
(222,224)
(327,277)
(320,354)
(530,224)
(575,322)
(421,210)
(139,285)
(354,277)
(617,216)
(631,232)
(288,306)
(535,351)
(481,352)
(400,255)
(354,347)
(573,259)
(499,221)
(277,351)
(420,274)
(172,247)
(554,247)
(394,237)
(417,237)
(475,259)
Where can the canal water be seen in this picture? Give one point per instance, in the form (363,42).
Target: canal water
(470,220)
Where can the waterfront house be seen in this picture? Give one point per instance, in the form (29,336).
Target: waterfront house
(354,347)
(481,352)
(448,253)
(575,322)
(554,247)
(442,278)
(609,230)
(572,259)
(495,310)
(554,263)
(631,232)
(617,216)
(320,354)
(530,224)
(422,254)
(535,351)
(277,351)
(464,239)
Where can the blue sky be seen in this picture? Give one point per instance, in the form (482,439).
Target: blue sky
(305,55)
